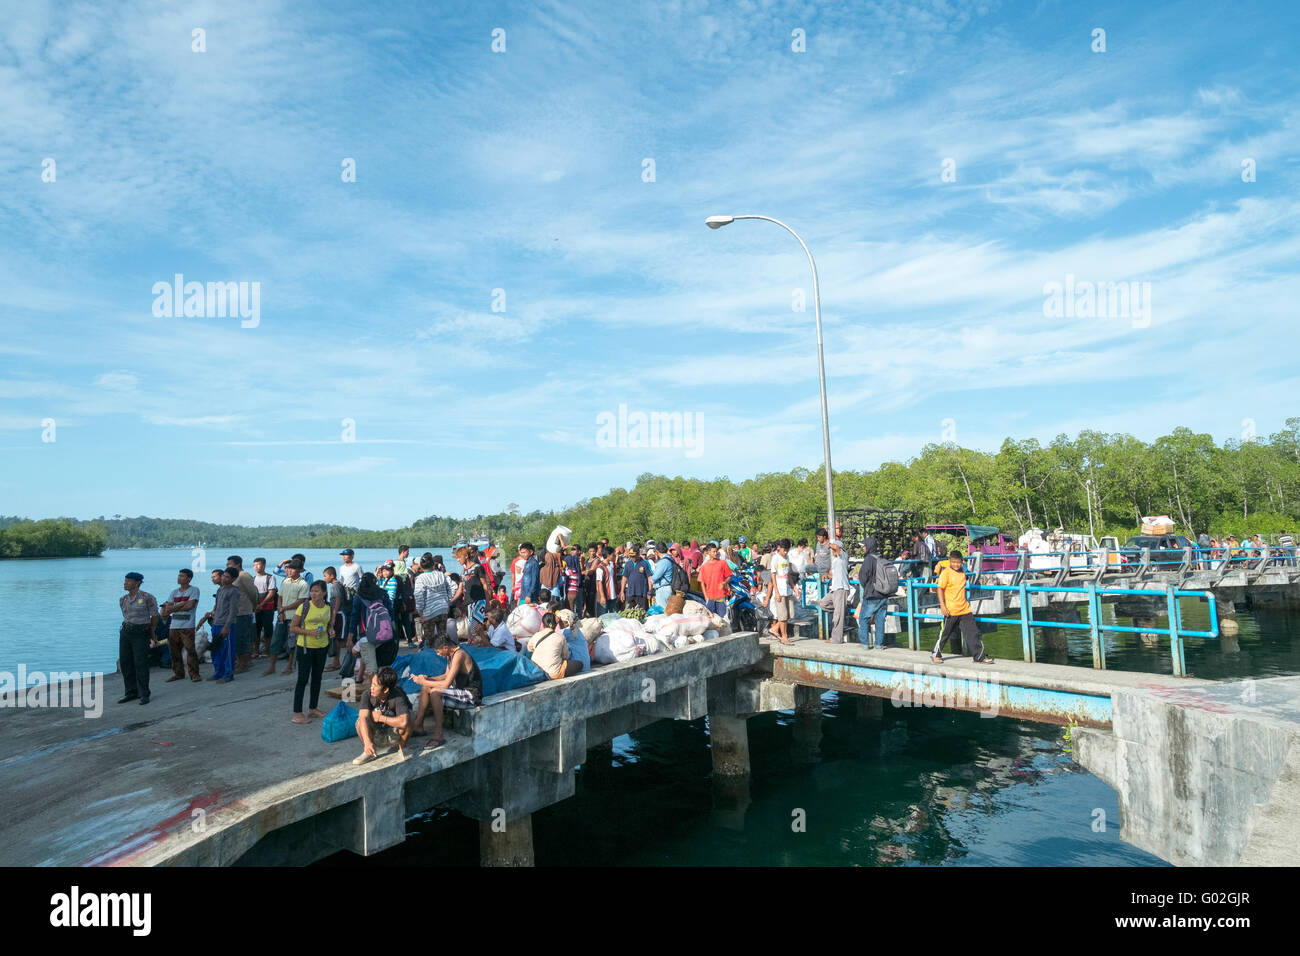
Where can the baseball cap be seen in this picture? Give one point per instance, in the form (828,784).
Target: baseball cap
(742,539)
(390,563)
(347,551)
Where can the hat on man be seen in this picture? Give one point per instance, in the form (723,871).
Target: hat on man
(134,576)
(742,539)
(348,551)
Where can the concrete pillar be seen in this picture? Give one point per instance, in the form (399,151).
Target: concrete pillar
(506,842)
(1148,638)
(729,744)
(730,801)
(598,765)
(806,734)
(807,700)
(1226,611)
(1057,638)
(870,708)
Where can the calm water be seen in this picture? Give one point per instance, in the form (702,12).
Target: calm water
(906,787)
(80,596)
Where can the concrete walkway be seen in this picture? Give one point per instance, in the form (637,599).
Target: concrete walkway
(204,771)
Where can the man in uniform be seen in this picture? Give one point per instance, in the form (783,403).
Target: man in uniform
(139,618)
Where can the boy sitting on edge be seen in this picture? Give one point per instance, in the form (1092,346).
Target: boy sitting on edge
(385,716)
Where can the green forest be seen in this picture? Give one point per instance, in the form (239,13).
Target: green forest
(51,538)
(1239,487)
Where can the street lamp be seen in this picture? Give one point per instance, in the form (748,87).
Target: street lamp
(717,222)
(1087,487)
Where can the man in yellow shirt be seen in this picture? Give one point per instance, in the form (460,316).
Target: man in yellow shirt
(956,611)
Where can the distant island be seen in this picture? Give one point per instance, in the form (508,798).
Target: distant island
(52,538)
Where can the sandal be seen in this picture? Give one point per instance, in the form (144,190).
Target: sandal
(936,659)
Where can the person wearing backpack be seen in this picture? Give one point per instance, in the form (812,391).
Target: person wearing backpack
(372,616)
(875,577)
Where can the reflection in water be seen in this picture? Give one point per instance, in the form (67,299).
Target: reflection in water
(914,786)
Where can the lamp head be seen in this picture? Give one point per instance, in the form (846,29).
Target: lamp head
(717,222)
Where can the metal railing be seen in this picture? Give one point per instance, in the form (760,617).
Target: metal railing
(1095,626)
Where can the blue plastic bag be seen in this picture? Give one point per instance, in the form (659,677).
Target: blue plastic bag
(340,723)
(653,609)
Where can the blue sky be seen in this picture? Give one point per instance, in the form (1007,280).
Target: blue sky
(524,171)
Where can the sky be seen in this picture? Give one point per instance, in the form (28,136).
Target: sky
(474,234)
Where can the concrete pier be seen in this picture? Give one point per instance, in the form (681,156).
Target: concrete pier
(1208,775)
(215,774)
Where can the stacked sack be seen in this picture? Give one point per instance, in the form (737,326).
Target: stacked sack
(524,621)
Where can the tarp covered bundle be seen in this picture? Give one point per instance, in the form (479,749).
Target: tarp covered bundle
(501,670)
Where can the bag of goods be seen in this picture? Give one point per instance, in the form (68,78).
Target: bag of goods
(625,625)
(600,651)
(650,644)
(1159,524)
(339,724)
(681,641)
(524,621)
(674,604)
(654,623)
(694,607)
(710,634)
(606,619)
(591,628)
(558,540)
(616,647)
(687,625)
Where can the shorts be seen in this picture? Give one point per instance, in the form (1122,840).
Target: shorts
(280,638)
(458,698)
(782,608)
(366,651)
(558,672)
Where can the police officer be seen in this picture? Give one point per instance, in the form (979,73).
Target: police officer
(139,618)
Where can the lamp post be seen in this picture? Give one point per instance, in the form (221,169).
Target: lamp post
(717,222)
(1087,486)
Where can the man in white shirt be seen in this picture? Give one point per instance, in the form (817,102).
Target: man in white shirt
(780,601)
(180,613)
(837,598)
(264,613)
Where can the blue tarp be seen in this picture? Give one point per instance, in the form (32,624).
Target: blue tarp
(501,670)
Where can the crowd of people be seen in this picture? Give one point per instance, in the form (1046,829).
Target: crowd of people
(354,621)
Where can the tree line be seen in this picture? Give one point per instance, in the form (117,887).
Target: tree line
(51,538)
(1239,487)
